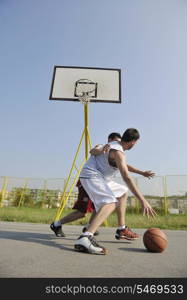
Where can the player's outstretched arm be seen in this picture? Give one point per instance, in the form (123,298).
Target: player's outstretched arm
(122,166)
(149,174)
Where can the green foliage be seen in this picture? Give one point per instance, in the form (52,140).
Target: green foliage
(33,198)
(20,197)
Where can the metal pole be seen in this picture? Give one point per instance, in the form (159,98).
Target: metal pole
(23,192)
(86,122)
(165,195)
(69,178)
(86,136)
(3,191)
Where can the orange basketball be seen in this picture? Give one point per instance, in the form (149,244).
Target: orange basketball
(155,240)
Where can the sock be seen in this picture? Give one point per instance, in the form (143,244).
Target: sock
(121,227)
(57,223)
(87,233)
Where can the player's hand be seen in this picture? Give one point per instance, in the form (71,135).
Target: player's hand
(148,211)
(148,174)
(106,148)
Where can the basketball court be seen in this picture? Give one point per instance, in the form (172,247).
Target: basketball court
(33,251)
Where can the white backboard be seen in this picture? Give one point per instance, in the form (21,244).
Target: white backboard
(108,83)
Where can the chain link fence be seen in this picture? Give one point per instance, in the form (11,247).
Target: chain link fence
(166,193)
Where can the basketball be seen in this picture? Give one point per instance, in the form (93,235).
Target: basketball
(155,240)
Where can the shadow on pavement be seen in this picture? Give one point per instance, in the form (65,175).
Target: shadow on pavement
(43,239)
(133,250)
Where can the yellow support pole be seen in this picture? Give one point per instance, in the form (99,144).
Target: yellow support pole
(86,136)
(86,121)
(89,140)
(69,178)
(66,197)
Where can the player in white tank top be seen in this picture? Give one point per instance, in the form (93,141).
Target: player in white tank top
(94,180)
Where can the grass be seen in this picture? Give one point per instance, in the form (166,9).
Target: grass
(46,216)
(27,214)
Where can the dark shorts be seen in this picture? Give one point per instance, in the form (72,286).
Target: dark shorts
(83,203)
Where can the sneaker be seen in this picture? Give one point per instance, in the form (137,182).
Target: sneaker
(95,233)
(57,230)
(87,243)
(126,234)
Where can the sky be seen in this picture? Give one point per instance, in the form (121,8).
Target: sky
(146,39)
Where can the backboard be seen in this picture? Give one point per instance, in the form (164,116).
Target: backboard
(104,84)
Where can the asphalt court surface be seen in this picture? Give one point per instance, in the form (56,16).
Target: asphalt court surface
(29,250)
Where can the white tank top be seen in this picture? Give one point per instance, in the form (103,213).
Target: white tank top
(98,165)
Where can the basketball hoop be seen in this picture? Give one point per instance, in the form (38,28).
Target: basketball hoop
(85,89)
(100,85)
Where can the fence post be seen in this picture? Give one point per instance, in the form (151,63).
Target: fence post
(165,195)
(137,204)
(44,192)
(23,191)
(3,191)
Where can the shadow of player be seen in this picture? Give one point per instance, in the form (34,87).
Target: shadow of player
(140,250)
(32,237)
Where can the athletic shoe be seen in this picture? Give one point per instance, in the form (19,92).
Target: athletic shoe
(126,234)
(85,229)
(57,230)
(87,243)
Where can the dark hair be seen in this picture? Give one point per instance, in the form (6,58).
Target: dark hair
(131,134)
(114,135)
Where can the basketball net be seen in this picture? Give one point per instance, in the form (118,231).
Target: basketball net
(85,89)
(84,99)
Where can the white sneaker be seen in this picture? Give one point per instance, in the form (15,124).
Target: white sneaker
(95,233)
(87,243)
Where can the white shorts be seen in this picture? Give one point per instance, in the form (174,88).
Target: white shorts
(101,191)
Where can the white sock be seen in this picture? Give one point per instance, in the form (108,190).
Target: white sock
(88,233)
(57,223)
(121,227)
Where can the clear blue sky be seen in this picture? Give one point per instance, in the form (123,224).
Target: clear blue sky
(146,39)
